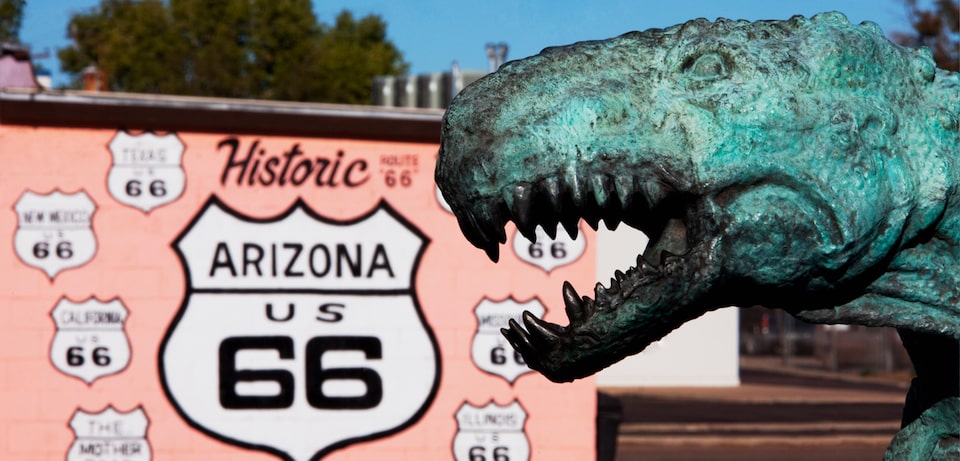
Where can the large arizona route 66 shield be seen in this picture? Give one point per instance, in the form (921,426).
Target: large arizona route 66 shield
(299,335)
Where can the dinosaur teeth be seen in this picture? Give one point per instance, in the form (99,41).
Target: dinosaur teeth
(646,269)
(575,306)
(570,223)
(554,192)
(522,210)
(654,191)
(542,333)
(624,185)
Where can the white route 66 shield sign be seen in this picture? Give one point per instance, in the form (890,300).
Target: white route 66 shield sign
(90,341)
(298,334)
(491,433)
(54,230)
(491,352)
(147,169)
(549,254)
(109,436)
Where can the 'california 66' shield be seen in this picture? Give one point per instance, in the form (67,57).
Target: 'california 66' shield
(90,341)
(147,170)
(491,352)
(298,334)
(491,433)
(54,231)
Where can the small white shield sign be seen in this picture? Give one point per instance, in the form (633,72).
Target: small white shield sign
(54,230)
(90,341)
(549,254)
(491,352)
(109,436)
(147,169)
(491,433)
(300,335)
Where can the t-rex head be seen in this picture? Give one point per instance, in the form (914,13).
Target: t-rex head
(785,163)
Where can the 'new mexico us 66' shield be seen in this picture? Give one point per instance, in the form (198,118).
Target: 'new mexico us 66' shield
(298,334)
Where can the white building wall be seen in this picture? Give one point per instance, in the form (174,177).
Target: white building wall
(703,352)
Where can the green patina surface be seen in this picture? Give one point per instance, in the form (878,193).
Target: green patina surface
(809,165)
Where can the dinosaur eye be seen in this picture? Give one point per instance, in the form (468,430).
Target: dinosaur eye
(707,66)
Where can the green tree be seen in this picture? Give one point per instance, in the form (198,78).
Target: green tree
(268,49)
(351,53)
(937,28)
(11,18)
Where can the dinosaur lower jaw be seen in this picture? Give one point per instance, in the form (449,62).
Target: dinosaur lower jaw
(639,307)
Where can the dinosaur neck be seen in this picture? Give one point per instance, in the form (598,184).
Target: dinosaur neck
(943,131)
(930,141)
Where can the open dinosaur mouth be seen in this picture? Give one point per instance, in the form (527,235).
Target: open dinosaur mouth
(650,204)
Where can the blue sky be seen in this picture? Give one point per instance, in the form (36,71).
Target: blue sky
(434,33)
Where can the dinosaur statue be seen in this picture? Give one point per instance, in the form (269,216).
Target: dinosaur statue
(809,165)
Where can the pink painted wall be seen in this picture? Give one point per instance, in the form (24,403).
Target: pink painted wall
(122,252)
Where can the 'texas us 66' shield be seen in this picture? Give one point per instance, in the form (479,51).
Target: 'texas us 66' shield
(299,334)
(147,170)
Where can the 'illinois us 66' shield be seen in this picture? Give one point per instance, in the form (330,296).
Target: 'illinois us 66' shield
(90,341)
(299,335)
(491,433)
(147,170)
(491,352)
(54,230)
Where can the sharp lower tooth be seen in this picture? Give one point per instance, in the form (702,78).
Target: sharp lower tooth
(614,285)
(646,268)
(574,306)
(619,275)
(541,332)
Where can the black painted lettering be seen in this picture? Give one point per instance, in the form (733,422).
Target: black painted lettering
(221,259)
(301,172)
(269,171)
(233,161)
(230,376)
(322,164)
(314,264)
(297,249)
(344,255)
(330,312)
(252,255)
(348,174)
(271,316)
(332,182)
(288,156)
(380,261)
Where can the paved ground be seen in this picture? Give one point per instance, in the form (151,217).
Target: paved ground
(776,414)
